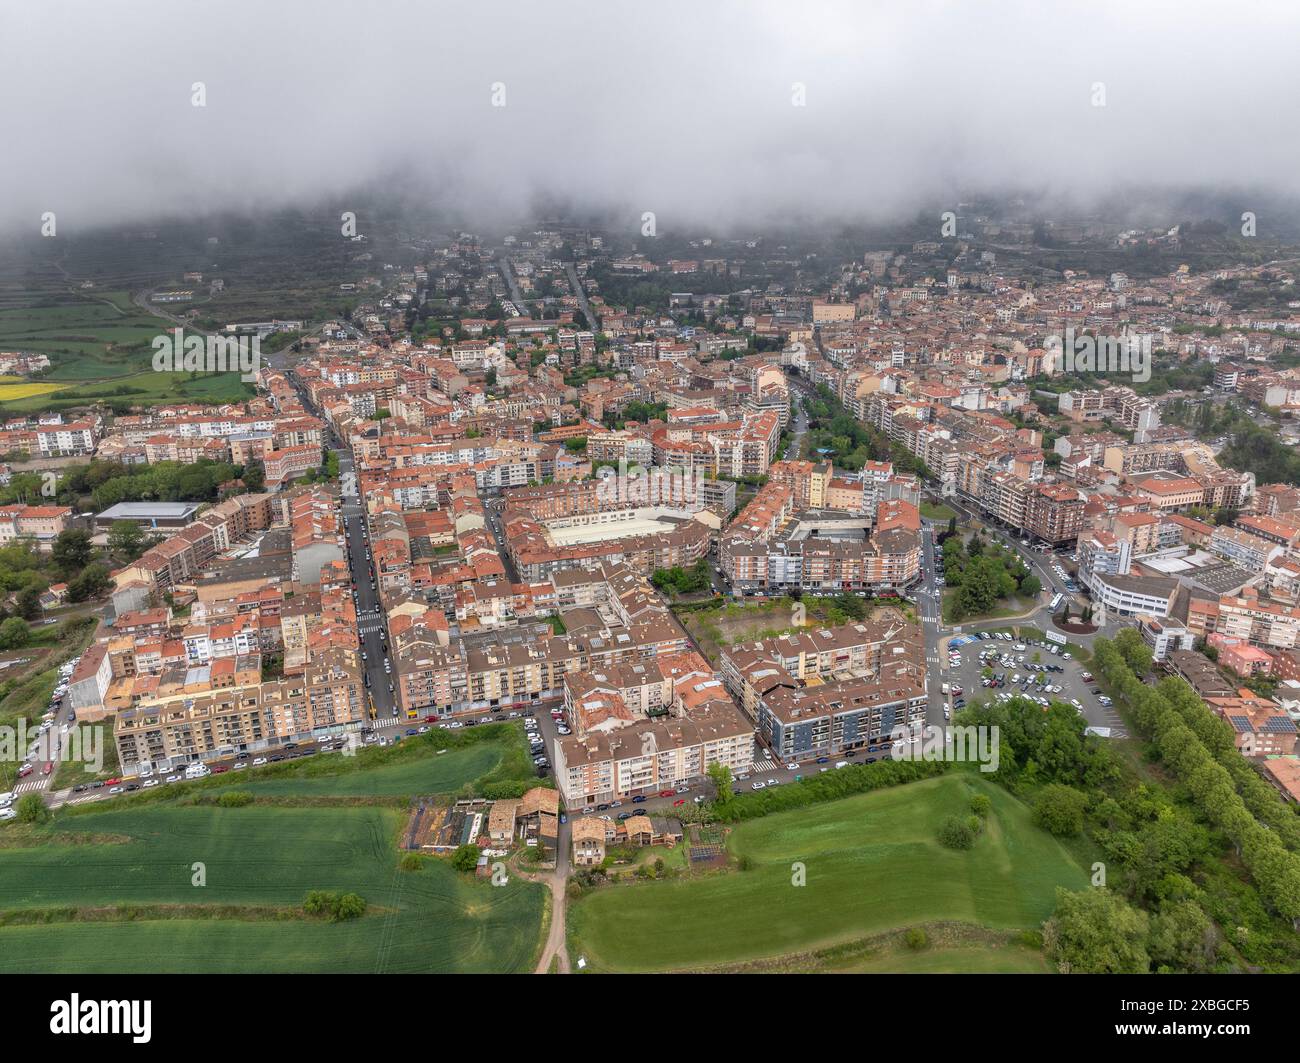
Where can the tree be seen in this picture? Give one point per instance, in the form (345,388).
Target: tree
(1095,931)
(720,776)
(125,540)
(92,583)
(1136,653)
(1059,809)
(29,603)
(254,476)
(465,858)
(31,809)
(14,633)
(1183,938)
(72,550)
(333,906)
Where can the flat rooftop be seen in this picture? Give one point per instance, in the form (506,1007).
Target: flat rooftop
(149,510)
(615,529)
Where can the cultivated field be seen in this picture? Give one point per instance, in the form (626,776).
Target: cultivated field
(100,349)
(11,392)
(872,863)
(123,899)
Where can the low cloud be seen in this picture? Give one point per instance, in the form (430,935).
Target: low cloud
(686,109)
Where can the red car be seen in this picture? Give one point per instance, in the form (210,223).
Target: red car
(431,719)
(679,801)
(25,770)
(112,782)
(667,793)
(220,768)
(49,767)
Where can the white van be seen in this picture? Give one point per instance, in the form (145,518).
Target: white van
(197,771)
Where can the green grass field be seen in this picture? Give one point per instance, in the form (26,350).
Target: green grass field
(99,348)
(435,774)
(938,511)
(431,920)
(872,864)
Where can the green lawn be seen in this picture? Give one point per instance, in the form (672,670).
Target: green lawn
(94,736)
(431,920)
(872,864)
(435,774)
(937,512)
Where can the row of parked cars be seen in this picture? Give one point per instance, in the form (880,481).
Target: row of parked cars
(537,746)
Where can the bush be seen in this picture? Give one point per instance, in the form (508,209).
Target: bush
(14,634)
(956,833)
(31,809)
(465,858)
(334,907)
(411,862)
(1059,809)
(350,906)
(235,799)
(916,939)
(981,805)
(830,786)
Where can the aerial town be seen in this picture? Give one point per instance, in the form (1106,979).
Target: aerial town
(687,555)
(419,579)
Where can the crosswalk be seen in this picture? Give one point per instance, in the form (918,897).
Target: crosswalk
(370,628)
(32,784)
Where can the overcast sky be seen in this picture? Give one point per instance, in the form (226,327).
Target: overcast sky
(682,108)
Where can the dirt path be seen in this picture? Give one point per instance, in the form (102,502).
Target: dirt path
(555,938)
(558,880)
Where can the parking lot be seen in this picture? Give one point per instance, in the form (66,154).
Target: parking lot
(1029,660)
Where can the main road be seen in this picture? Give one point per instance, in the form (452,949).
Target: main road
(580,294)
(372,631)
